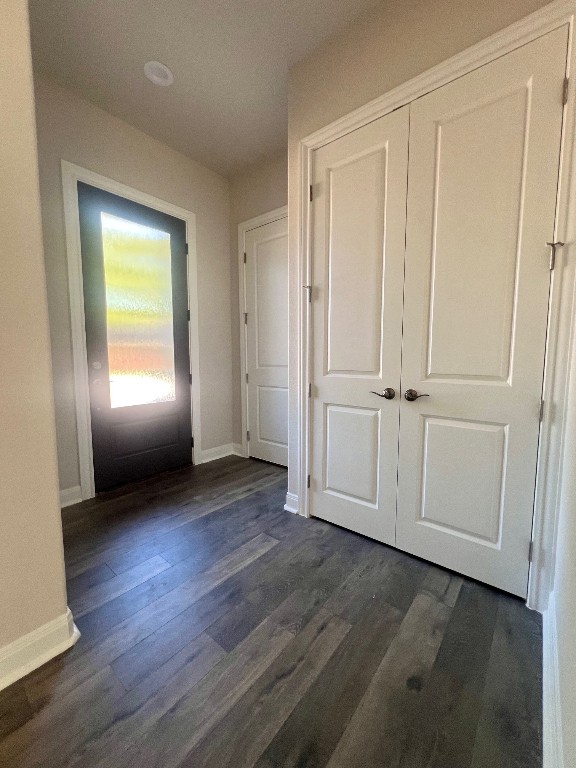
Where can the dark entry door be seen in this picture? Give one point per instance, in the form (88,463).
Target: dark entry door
(136,307)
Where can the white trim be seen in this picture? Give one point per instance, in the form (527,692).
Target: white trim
(560,348)
(243,228)
(69,496)
(304,326)
(263,219)
(71,175)
(291,504)
(219,452)
(524,31)
(36,648)
(194,332)
(561,326)
(552,708)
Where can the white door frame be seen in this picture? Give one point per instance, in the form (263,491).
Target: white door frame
(562,323)
(71,175)
(243,228)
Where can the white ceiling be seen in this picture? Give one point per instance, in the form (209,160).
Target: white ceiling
(230,59)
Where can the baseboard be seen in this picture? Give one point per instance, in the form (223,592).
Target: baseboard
(36,648)
(238,450)
(292,503)
(211,454)
(552,708)
(69,496)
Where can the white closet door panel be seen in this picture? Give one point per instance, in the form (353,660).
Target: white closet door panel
(481,203)
(358,217)
(352,476)
(356,190)
(478,202)
(474,452)
(266,275)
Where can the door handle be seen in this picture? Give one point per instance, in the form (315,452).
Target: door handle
(412,395)
(388,393)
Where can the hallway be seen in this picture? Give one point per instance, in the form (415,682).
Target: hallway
(219,630)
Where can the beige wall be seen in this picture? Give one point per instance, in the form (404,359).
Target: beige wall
(32,588)
(382,49)
(260,188)
(73,129)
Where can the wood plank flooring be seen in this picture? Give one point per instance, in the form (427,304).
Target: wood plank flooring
(219,631)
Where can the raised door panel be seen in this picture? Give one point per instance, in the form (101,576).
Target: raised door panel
(358,251)
(462,484)
(351,450)
(477,211)
(271,420)
(356,197)
(266,279)
(271,301)
(484,153)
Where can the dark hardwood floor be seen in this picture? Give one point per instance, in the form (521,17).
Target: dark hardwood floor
(219,631)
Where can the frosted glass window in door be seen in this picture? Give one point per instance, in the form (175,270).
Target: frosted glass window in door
(139,320)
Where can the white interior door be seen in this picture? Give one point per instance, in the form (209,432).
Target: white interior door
(484,153)
(358,220)
(266,280)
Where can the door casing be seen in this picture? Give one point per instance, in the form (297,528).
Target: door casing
(243,228)
(71,175)
(561,317)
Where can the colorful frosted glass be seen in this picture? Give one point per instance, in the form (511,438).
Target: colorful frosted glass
(138,277)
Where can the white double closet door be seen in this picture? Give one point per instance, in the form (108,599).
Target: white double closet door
(431,273)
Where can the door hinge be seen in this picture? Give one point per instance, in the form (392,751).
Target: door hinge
(192,441)
(565,91)
(530,551)
(541,410)
(244,258)
(248,435)
(553,246)
(310,389)
(308,482)
(311,193)
(187,252)
(190,375)
(188,315)
(245,318)
(246,378)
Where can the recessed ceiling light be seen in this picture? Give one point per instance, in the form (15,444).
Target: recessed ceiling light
(158,73)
